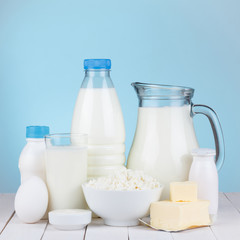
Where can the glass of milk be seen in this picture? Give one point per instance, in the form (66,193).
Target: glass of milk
(66,170)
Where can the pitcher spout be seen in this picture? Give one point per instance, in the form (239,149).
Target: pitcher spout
(161,91)
(138,87)
(152,95)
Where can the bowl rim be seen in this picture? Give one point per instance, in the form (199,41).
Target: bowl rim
(84,185)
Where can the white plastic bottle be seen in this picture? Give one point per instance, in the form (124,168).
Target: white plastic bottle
(98,113)
(203,171)
(32,158)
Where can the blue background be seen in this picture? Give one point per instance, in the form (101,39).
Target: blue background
(43,45)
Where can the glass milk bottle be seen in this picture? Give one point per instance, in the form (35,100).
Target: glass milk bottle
(98,113)
(203,171)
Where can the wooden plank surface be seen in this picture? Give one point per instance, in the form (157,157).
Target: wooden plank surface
(53,234)
(144,233)
(96,230)
(203,233)
(17,230)
(234,198)
(6,208)
(227,225)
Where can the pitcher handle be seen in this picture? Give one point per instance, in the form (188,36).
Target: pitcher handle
(217,131)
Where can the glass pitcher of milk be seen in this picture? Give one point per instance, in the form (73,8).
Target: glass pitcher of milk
(165,135)
(98,113)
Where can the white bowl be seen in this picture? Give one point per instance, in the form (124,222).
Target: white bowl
(121,208)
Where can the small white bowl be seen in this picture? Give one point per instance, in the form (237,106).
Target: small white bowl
(121,208)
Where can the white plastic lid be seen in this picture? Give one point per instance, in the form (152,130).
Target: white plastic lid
(70,219)
(203,152)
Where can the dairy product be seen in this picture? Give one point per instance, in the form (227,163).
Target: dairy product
(184,211)
(66,170)
(32,157)
(162,144)
(204,172)
(176,216)
(125,179)
(31,161)
(70,219)
(183,191)
(98,113)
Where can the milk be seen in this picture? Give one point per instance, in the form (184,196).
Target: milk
(32,159)
(162,144)
(203,171)
(66,170)
(98,113)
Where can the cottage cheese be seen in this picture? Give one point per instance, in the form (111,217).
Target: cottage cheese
(124,179)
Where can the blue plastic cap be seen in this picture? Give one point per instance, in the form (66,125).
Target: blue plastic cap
(97,64)
(36,131)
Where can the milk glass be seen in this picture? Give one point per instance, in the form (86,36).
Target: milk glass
(66,170)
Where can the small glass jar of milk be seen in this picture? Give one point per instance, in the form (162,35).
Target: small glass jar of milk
(203,171)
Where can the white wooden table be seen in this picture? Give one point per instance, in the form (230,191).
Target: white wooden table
(226,227)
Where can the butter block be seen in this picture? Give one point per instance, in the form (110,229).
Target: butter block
(183,191)
(176,216)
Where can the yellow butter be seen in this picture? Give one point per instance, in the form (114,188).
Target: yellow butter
(176,216)
(183,191)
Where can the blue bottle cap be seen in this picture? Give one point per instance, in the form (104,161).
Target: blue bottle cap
(97,64)
(36,131)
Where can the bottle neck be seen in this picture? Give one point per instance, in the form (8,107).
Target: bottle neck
(99,73)
(35,139)
(97,78)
